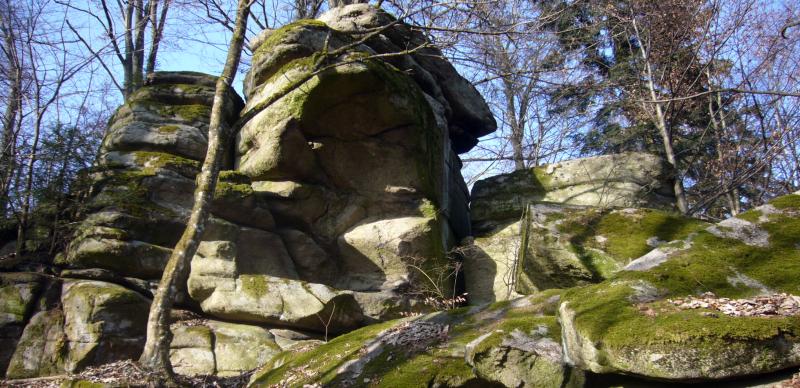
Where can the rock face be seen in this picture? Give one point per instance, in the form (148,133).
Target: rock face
(496,345)
(358,164)
(75,324)
(609,181)
(338,201)
(567,224)
(340,188)
(626,324)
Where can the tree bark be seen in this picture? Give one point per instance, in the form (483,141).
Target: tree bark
(156,351)
(8,139)
(661,124)
(157,32)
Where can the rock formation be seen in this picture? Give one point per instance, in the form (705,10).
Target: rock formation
(567,224)
(341,188)
(339,200)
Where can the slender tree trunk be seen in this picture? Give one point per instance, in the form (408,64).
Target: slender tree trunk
(7,146)
(517,133)
(127,62)
(661,124)
(26,200)
(8,139)
(156,33)
(733,193)
(142,16)
(156,350)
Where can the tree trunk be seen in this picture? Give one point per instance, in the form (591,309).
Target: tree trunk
(517,132)
(142,16)
(157,32)
(8,139)
(661,124)
(156,350)
(127,61)
(26,200)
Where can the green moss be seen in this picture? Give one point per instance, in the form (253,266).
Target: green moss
(750,215)
(82,384)
(603,265)
(428,209)
(193,112)
(235,177)
(625,234)
(605,312)
(168,128)
(13,303)
(165,160)
(254,285)
(429,369)
(125,190)
(791,201)
(232,191)
(322,362)
(280,34)
(542,178)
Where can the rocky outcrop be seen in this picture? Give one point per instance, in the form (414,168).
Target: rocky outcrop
(510,345)
(627,324)
(77,323)
(341,184)
(608,181)
(567,224)
(339,198)
(357,161)
(207,347)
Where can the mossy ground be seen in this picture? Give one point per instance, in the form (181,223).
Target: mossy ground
(441,363)
(624,234)
(607,313)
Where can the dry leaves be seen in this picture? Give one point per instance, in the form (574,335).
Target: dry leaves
(761,306)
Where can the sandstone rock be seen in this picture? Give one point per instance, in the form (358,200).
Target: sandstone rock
(249,276)
(620,180)
(562,246)
(18,296)
(466,112)
(377,253)
(89,323)
(463,347)
(145,179)
(310,142)
(104,322)
(220,348)
(520,358)
(624,326)
(40,348)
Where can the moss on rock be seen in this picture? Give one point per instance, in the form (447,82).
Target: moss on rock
(369,357)
(624,324)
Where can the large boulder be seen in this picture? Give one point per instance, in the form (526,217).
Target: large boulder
(207,347)
(79,323)
(506,344)
(693,311)
(608,181)
(144,177)
(320,111)
(19,294)
(562,246)
(567,224)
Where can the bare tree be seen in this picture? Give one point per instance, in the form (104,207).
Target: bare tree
(156,351)
(46,85)
(124,26)
(12,77)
